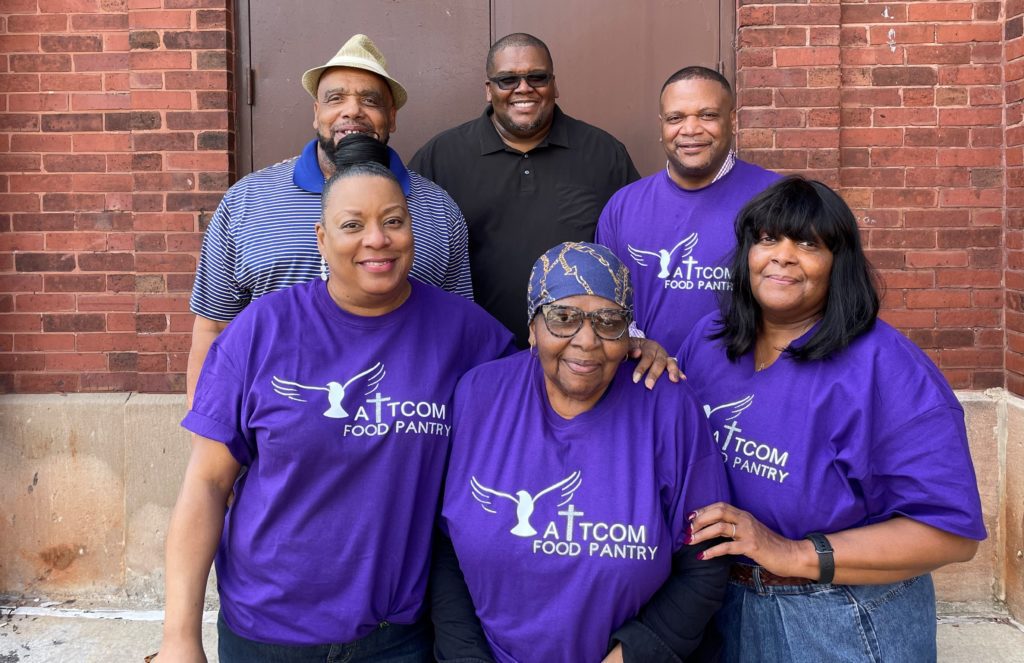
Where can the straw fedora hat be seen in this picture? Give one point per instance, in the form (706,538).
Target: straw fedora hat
(359,52)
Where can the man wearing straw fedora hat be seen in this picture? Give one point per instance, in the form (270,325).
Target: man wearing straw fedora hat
(261,237)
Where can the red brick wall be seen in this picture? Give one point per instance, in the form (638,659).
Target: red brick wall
(1014,233)
(900,105)
(115,144)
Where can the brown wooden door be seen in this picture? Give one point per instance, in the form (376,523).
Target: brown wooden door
(435,49)
(611,58)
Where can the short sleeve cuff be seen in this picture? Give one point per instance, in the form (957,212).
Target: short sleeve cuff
(202,425)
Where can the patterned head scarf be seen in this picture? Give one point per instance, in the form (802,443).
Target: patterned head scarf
(578,268)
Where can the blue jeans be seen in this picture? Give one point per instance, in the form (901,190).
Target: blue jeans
(389,643)
(812,623)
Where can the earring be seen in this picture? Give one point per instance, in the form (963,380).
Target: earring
(533,350)
(323,269)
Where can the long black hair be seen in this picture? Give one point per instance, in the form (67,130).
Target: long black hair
(357,154)
(802,209)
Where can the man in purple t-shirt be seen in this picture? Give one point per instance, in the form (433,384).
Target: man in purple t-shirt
(674,229)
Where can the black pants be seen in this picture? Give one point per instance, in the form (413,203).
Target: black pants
(388,643)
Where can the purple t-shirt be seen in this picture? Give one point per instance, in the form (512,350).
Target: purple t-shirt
(565,528)
(343,422)
(870,433)
(677,244)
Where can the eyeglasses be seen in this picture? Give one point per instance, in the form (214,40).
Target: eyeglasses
(565,321)
(511,81)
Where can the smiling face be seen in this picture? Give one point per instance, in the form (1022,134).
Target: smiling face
(697,118)
(365,236)
(522,115)
(578,369)
(789,278)
(351,101)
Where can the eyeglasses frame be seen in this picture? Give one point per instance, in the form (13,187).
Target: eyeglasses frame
(591,316)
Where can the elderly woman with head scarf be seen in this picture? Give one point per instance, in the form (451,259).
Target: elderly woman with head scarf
(845,448)
(568,487)
(325,408)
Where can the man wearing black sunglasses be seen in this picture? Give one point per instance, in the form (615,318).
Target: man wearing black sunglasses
(526,175)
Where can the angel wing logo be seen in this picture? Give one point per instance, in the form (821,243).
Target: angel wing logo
(371,377)
(735,408)
(664,257)
(524,501)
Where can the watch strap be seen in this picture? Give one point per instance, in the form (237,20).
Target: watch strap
(826,561)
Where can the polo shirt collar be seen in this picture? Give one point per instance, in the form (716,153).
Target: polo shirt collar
(491,142)
(307,175)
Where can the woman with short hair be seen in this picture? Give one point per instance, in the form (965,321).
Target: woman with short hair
(845,448)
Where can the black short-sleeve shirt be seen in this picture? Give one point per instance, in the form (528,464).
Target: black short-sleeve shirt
(518,205)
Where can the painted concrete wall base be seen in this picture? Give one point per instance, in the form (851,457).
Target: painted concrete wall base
(87,483)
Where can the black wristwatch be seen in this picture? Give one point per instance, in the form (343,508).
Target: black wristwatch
(826,562)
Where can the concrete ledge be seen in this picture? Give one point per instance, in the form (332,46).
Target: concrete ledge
(976,582)
(157,451)
(1011,520)
(88,482)
(63,491)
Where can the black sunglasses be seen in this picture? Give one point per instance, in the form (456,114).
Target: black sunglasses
(566,321)
(511,81)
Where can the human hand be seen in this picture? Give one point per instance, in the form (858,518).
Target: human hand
(748,537)
(652,360)
(615,655)
(179,651)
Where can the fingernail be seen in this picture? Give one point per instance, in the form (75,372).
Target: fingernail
(636,377)
(691,515)
(700,556)
(687,539)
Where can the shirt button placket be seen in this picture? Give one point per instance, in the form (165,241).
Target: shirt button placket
(526,181)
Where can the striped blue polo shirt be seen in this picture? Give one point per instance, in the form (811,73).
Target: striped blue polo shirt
(261,237)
